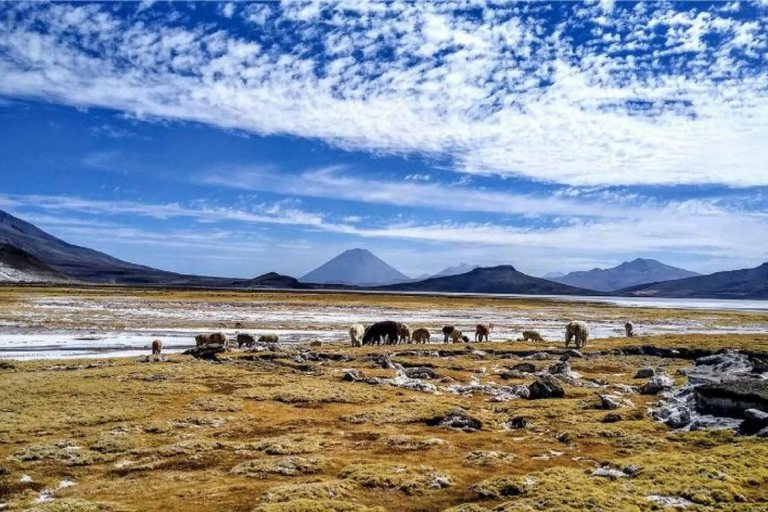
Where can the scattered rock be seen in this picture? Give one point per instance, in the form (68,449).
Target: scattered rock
(538,356)
(754,421)
(564,437)
(657,384)
(678,418)
(384,362)
(458,419)
(517,423)
(206,352)
(499,393)
(316,344)
(545,387)
(352,376)
(511,374)
(524,368)
(611,417)
(732,397)
(421,372)
(669,501)
(608,402)
(645,373)
(615,474)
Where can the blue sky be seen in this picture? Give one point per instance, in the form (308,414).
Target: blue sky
(238,138)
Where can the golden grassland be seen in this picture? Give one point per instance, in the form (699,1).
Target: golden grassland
(265,432)
(254,433)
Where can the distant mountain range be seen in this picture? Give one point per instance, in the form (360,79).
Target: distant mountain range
(629,273)
(358,267)
(750,283)
(501,279)
(28,254)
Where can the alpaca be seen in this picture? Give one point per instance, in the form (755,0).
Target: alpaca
(356,333)
(578,330)
(386,331)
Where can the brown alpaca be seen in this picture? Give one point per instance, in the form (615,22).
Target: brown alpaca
(157,347)
(420,335)
(483,331)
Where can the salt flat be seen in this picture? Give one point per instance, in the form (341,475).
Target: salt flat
(110,322)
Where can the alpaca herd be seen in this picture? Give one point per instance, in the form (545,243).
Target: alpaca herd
(389,332)
(394,333)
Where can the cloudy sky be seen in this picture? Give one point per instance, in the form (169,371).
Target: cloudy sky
(238,138)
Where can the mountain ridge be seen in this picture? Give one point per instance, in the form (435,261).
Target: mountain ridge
(748,283)
(499,279)
(629,273)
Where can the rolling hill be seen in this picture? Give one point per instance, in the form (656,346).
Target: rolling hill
(501,279)
(629,273)
(750,283)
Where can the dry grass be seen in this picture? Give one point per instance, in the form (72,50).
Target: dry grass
(250,434)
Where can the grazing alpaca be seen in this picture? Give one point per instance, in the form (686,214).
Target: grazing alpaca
(385,331)
(202,339)
(578,330)
(532,336)
(403,333)
(245,339)
(239,325)
(457,336)
(629,327)
(157,347)
(268,338)
(482,331)
(420,335)
(447,330)
(356,333)
(219,338)
(222,325)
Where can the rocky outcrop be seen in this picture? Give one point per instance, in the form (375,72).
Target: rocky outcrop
(545,386)
(724,390)
(732,397)
(657,384)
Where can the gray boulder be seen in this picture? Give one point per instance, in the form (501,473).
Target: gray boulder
(645,373)
(657,384)
(545,386)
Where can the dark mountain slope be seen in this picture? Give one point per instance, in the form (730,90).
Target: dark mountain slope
(750,283)
(501,279)
(18,266)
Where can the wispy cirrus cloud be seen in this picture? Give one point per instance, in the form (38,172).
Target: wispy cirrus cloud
(337,182)
(571,93)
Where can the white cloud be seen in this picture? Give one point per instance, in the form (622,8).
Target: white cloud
(671,97)
(707,231)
